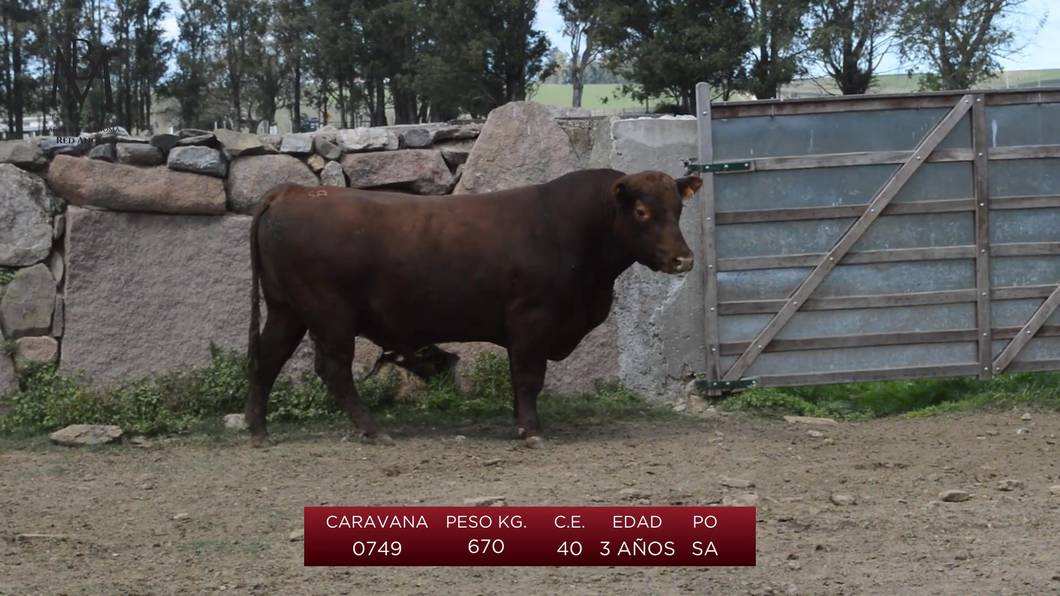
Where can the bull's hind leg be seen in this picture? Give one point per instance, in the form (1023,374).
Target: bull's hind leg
(279,339)
(334,364)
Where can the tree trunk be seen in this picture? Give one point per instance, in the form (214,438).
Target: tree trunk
(379,109)
(577,79)
(17,89)
(296,111)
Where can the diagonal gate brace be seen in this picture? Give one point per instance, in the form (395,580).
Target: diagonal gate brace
(1027,333)
(853,234)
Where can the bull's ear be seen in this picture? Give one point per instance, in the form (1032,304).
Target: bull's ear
(688,186)
(621,191)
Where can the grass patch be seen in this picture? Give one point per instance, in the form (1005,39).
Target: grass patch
(923,397)
(193,400)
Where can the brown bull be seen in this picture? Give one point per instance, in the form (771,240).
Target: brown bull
(530,269)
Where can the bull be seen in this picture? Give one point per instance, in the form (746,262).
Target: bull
(530,269)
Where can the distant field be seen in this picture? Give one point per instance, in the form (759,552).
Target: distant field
(593,96)
(603,96)
(900,83)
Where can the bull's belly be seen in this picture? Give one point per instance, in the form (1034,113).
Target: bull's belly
(416,327)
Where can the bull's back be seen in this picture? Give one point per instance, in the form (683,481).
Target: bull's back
(406,263)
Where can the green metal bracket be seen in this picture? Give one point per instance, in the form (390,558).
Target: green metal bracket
(731,166)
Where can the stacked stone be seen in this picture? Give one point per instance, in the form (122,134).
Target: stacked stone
(126,255)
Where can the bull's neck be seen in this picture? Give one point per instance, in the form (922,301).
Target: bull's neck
(614,258)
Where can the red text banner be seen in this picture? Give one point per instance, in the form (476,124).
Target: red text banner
(530,536)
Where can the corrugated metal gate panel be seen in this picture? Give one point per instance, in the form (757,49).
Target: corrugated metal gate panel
(956,267)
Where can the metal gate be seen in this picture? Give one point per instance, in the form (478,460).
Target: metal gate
(866,238)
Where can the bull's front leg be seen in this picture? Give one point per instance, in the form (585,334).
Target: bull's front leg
(528,369)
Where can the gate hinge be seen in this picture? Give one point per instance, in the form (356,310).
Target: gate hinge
(729,166)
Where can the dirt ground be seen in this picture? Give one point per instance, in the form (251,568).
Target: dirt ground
(116,506)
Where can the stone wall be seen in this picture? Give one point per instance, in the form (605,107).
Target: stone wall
(124,255)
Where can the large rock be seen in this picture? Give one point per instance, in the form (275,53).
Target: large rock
(198,160)
(187,133)
(165,141)
(26,209)
(581,133)
(35,349)
(361,139)
(272,142)
(332,174)
(423,171)
(22,154)
(326,147)
(86,434)
(8,376)
(595,359)
(457,132)
(603,143)
(416,137)
(250,177)
(129,188)
(660,317)
(147,293)
(297,143)
(104,152)
(207,140)
(130,139)
(27,306)
(138,154)
(52,146)
(520,144)
(238,144)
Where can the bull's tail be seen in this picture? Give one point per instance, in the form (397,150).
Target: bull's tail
(254,340)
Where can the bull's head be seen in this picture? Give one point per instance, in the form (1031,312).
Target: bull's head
(648,216)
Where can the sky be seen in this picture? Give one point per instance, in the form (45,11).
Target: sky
(1041,45)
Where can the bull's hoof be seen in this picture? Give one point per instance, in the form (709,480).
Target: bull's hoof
(262,441)
(382,439)
(537,442)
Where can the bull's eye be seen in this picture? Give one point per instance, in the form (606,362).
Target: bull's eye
(641,213)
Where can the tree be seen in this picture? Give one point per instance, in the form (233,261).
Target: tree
(196,59)
(960,41)
(665,48)
(850,38)
(453,59)
(581,22)
(137,59)
(151,52)
(515,52)
(240,24)
(778,32)
(476,55)
(292,27)
(15,20)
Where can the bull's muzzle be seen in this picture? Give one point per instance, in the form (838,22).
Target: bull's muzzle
(681,264)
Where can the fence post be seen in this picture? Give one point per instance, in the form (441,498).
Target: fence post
(708,259)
